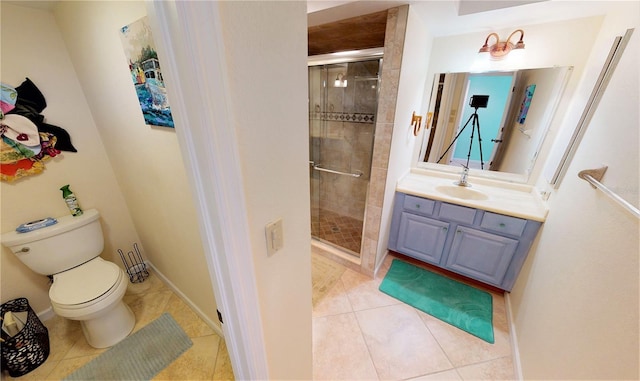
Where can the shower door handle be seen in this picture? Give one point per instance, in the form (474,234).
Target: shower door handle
(317,167)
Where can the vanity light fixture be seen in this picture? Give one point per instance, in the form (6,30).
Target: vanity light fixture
(500,49)
(340,81)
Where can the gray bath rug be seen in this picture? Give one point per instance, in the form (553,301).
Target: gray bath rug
(140,356)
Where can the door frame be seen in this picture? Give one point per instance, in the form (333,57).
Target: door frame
(189,37)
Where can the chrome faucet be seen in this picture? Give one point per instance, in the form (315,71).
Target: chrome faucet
(463,177)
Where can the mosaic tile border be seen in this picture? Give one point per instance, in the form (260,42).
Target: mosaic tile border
(343,117)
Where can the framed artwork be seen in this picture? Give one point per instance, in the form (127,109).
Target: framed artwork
(146,73)
(526,102)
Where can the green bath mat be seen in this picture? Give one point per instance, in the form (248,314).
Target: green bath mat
(453,302)
(140,356)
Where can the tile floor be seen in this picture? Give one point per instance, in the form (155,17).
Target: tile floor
(343,231)
(359,333)
(207,359)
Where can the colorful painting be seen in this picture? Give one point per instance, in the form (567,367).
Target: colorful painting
(526,102)
(146,75)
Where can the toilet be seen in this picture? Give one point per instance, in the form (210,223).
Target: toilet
(85,286)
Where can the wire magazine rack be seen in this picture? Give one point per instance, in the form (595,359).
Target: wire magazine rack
(136,268)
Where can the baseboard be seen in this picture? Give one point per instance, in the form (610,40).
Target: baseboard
(515,352)
(46,314)
(380,263)
(184,298)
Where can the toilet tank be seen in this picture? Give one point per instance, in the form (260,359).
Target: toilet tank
(56,248)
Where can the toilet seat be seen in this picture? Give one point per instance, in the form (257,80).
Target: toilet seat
(85,285)
(92,293)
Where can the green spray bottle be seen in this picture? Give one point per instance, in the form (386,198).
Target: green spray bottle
(71,200)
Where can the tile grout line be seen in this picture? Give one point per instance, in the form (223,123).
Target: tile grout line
(366,344)
(360,330)
(453,367)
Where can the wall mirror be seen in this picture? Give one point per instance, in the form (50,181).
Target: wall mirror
(494,122)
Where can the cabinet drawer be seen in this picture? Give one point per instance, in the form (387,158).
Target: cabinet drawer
(457,213)
(419,205)
(503,224)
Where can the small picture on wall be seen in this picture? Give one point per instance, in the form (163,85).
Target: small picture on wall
(526,102)
(146,74)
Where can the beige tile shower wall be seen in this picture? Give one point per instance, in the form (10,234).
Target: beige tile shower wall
(384,126)
(346,148)
(393,48)
(342,145)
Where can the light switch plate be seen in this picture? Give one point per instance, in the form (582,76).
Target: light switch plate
(274,235)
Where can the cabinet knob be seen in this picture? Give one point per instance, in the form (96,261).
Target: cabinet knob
(502,224)
(417,206)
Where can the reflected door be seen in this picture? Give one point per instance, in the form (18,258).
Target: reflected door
(478,137)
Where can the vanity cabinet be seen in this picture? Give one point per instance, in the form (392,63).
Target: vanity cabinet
(482,245)
(422,237)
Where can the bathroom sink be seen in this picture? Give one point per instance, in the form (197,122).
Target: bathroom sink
(464,193)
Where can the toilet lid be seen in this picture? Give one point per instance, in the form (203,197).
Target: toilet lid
(84,283)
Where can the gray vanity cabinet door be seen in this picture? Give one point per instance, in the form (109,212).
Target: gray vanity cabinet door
(480,255)
(421,237)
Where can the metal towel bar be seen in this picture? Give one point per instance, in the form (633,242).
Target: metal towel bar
(317,167)
(593,177)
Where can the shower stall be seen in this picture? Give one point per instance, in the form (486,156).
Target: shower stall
(343,99)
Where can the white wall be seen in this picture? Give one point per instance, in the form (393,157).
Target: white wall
(248,140)
(576,302)
(270,121)
(131,173)
(266,52)
(147,161)
(523,144)
(32,46)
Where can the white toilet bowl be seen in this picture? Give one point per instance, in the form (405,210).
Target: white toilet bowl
(85,287)
(92,293)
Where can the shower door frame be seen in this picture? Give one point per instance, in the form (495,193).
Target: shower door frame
(325,61)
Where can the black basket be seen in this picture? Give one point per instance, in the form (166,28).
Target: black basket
(29,348)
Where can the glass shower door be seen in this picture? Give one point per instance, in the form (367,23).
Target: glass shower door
(317,81)
(342,105)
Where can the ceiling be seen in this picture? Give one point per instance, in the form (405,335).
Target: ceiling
(453,17)
(442,17)
(467,7)
(45,5)
(362,32)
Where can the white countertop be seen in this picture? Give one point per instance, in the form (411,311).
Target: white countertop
(518,200)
